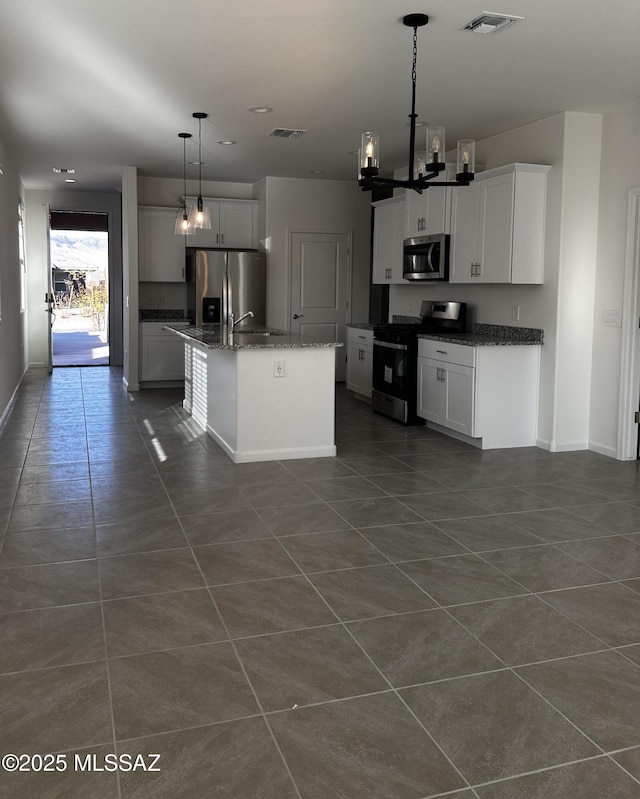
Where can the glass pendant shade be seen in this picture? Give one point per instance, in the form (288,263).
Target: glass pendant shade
(184,222)
(419,165)
(466,160)
(436,148)
(201,216)
(370,151)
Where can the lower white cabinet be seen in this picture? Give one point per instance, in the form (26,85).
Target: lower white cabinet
(161,353)
(359,360)
(485,393)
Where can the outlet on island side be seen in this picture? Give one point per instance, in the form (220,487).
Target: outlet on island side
(515,313)
(278,369)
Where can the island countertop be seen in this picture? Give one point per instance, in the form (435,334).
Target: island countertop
(215,337)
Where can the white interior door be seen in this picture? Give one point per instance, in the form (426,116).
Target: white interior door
(320,272)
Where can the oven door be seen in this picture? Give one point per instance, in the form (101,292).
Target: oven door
(392,369)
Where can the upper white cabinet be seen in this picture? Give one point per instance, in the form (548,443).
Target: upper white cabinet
(388,237)
(234,224)
(161,253)
(497,226)
(427,213)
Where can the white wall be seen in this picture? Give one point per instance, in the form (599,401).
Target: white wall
(562,308)
(12,320)
(313,205)
(620,172)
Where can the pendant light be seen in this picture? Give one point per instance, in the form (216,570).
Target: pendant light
(424,167)
(202,215)
(184,225)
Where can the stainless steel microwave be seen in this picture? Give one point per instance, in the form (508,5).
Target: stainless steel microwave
(426,258)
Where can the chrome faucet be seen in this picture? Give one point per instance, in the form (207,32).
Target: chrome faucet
(234,321)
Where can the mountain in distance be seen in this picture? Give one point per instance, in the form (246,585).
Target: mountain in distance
(79,251)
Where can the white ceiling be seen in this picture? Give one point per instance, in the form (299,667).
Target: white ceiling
(100,84)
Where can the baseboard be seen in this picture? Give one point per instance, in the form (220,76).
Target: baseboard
(130,386)
(254,456)
(12,399)
(610,452)
(554,446)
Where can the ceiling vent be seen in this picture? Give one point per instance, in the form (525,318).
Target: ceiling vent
(489,22)
(287,133)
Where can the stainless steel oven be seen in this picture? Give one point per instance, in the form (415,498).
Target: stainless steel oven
(394,355)
(426,258)
(395,358)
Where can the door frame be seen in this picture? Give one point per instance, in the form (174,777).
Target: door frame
(291,231)
(629,398)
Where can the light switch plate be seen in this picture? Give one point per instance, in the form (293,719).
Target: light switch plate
(612,317)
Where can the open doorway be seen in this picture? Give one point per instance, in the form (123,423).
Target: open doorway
(79,259)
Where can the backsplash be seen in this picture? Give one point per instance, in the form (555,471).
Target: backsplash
(162,315)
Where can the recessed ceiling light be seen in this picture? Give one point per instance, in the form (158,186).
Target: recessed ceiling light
(261,109)
(69,180)
(227,141)
(418,124)
(196,163)
(317,171)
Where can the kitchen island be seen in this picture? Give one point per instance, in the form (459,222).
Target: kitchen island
(261,394)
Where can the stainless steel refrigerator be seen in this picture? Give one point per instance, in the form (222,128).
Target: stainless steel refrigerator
(220,282)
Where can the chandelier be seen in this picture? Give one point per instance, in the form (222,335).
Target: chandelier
(423,168)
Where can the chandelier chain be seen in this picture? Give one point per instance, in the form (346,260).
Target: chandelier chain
(415,55)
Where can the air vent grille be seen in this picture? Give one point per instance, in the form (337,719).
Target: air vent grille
(489,22)
(287,133)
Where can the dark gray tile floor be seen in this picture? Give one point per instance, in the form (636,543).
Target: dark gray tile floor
(412,619)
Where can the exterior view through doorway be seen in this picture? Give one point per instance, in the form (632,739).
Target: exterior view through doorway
(79,288)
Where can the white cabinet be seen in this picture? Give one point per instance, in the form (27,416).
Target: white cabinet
(486,394)
(359,360)
(427,213)
(446,386)
(388,237)
(161,353)
(234,224)
(497,226)
(161,253)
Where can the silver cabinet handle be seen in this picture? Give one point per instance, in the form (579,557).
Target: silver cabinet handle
(298,315)
(442,352)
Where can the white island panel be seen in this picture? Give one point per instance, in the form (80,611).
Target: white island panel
(255,416)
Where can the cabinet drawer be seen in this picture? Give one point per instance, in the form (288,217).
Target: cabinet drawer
(445,351)
(360,336)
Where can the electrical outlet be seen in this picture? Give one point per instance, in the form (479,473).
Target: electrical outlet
(515,313)
(161,300)
(278,368)
(149,300)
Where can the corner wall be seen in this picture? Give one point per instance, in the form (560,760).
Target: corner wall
(620,171)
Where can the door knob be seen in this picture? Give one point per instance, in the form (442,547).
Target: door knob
(298,315)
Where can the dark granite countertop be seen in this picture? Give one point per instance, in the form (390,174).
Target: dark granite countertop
(214,337)
(361,325)
(491,336)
